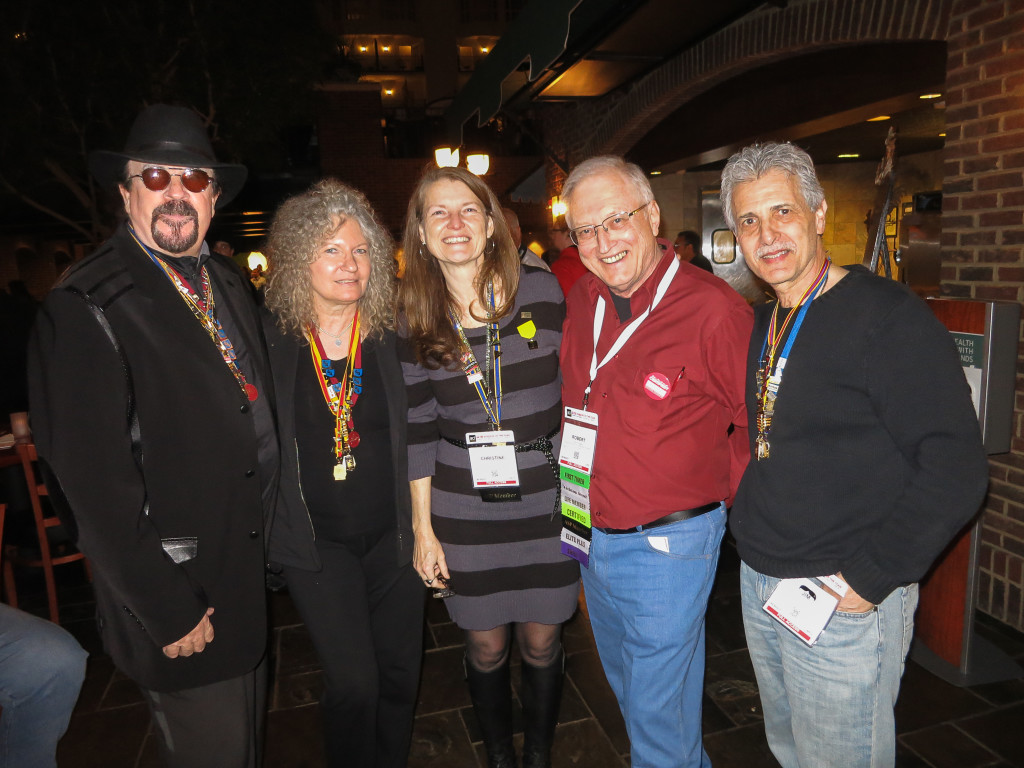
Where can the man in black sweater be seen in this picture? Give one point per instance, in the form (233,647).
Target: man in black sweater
(866,461)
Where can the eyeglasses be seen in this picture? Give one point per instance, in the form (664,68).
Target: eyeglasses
(614,223)
(158,179)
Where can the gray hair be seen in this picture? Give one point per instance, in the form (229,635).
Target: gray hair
(601,164)
(753,162)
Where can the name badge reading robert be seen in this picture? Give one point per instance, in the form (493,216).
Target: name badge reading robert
(492,460)
(579,438)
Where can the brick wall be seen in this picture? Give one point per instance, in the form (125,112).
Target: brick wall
(983,241)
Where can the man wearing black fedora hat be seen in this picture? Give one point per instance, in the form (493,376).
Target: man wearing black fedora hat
(152,418)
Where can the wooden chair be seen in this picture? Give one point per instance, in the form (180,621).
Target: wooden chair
(48,531)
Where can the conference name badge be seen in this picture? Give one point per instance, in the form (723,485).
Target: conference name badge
(805,606)
(492,460)
(575,464)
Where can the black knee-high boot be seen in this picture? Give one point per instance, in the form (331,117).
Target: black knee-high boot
(491,693)
(541,695)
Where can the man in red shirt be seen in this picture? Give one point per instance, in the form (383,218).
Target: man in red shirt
(663,373)
(567,267)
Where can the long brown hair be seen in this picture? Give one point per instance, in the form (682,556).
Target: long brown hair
(423,295)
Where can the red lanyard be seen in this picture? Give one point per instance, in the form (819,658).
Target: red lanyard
(340,394)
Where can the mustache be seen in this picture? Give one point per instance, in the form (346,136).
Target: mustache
(764,250)
(176,208)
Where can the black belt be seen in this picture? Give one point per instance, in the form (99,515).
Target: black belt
(675,517)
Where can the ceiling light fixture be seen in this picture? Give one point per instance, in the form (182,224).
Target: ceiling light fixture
(446,157)
(878,119)
(478,163)
(930,96)
(848,155)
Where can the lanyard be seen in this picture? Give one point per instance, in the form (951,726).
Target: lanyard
(341,396)
(768,386)
(629,330)
(202,306)
(805,302)
(472,367)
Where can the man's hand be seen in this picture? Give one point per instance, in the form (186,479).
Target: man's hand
(195,641)
(852,602)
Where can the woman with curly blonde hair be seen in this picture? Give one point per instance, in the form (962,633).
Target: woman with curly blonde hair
(481,369)
(341,536)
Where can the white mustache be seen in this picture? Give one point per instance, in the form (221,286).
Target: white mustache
(764,250)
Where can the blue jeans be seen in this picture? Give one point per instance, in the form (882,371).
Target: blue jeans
(647,610)
(41,672)
(830,705)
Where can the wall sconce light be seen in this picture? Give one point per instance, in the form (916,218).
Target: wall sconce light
(478,164)
(484,49)
(386,48)
(389,92)
(363,49)
(446,157)
(558,208)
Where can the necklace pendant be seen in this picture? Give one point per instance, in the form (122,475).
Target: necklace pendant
(337,342)
(340,471)
(350,462)
(353,439)
(762,447)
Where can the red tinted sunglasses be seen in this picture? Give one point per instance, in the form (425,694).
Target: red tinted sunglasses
(158,179)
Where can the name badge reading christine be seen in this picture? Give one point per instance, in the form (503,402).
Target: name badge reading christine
(492,460)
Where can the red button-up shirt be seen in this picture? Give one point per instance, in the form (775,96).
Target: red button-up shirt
(658,456)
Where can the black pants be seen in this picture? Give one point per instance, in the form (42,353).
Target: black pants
(365,616)
(213,726)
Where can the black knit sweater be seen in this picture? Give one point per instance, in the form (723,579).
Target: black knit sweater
(876,458)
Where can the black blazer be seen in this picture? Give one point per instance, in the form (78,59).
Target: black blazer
(191,472)
(292,540)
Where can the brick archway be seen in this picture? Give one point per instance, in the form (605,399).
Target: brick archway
(769,35)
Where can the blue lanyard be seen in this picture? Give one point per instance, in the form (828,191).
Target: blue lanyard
(775,380)
(472,367)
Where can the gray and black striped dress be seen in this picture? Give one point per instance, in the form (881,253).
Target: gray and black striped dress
(504,557)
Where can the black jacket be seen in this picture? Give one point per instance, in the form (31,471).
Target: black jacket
(191,470)
(292,539)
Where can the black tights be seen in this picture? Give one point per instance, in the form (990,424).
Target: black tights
(539,644)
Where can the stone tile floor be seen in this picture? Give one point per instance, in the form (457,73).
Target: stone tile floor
(939,725)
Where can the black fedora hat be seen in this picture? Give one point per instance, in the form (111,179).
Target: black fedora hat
(166,135)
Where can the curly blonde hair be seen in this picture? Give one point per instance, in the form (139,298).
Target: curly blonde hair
(301,225)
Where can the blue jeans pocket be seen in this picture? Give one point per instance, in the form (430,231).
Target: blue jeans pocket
(695,539)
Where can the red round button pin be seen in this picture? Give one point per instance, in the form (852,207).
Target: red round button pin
(657,386)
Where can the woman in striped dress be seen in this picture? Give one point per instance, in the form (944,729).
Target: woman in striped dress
(482,362)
